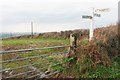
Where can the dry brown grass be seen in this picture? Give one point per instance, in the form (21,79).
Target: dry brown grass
(99,51)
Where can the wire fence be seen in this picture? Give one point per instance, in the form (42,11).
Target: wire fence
(32,70)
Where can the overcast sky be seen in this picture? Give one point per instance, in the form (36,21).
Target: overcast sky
(53,15)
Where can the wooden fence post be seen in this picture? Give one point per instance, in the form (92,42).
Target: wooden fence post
(72,49)
(73,40)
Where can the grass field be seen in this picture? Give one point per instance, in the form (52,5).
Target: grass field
(32,43)
(27,43)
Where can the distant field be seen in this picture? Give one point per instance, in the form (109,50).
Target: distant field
(10,34)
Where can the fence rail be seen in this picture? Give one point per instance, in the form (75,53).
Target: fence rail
(42,57)
(31,66)
(23,50)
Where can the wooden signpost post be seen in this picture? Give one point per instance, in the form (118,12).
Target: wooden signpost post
(95,13)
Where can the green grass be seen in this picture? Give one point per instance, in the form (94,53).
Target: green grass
(43,63)
(104,72)
(31,41)
(41,42)
(100,72)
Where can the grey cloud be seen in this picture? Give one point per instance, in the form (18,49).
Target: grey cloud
(23,17)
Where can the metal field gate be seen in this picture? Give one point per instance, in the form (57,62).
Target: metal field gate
(30,63)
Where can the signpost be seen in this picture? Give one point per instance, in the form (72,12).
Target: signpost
(102,10)
(86,17)
(95,13)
